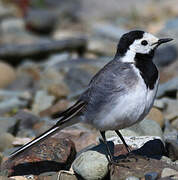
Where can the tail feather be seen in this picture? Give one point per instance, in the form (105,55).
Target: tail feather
(66,120)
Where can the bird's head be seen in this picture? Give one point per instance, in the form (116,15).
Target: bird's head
(139,42)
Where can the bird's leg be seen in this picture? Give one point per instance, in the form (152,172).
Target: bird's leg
(122,139)
(111,157)
(105,142)
(130,154)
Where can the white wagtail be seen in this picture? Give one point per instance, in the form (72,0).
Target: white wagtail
(120,94)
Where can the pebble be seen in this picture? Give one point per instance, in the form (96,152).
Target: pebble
(151,176)
(50,155)
(42,101)
(168,88)
(132,178)
(58,90)
(156,115)
(6,140)
(7,74)
(172,148)
(165,55)
(168,172)
(91,165)
(174,123)
(147,127)
(6,123)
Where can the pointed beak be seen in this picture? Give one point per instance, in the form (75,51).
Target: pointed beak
(165,40)
(161,41)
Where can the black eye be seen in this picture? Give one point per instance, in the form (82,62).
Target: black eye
(144,42)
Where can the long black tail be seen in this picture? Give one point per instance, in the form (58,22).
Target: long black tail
(67,119)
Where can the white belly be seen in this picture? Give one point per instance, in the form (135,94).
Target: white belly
(129,109)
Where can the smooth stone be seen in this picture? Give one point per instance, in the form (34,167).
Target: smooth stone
(108,30)
(151,176)
(6,140)
(6,123)
(168,172)
(169,87)
(146,127)
(171,106)
(174,123)
(169,161)
(7,74)
(156,115)
(172,148)
(42,101)
(158,103)
(132,178)
(91,165)
(165,55)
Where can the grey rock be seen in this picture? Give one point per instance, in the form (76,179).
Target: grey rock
(108,30)
(144,128)
(77,79)
(11,103)
(169,132)
(41,21)
(6,140)
(169,161)
(158,103)
(172,148)
(168,172)
(6,124)
(165,55)
(42,101)
(171,106)
(91,165)
(132,178)
(168,88)
(151,176)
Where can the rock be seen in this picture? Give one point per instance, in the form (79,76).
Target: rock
(151,176)
(7,74)
(157,116)
(6,124)
(91,165)
(171,106)
(14,55)
(50,155)
(67,175)
(146,127)
(77,79)
(168,88)
(168,172)
(81,137)
(8,104)
(165,55)
(169,161)
(174,123)
(100,46)
(138,168)
(6,141)
(134,142)
(42,101)
(108,31)
(132,178)
(41,21)
(55,109)
(158,103)
(172,148)
(18,141)
(58,90)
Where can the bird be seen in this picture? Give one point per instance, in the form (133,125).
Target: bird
(119,95)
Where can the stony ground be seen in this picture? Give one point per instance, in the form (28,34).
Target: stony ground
(49,50)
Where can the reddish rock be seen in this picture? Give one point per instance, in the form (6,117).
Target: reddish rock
(80,137)
(60,106)
(53,154)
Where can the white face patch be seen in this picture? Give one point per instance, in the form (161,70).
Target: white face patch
(139,47)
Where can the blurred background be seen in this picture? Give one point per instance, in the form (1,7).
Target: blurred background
(50,49)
